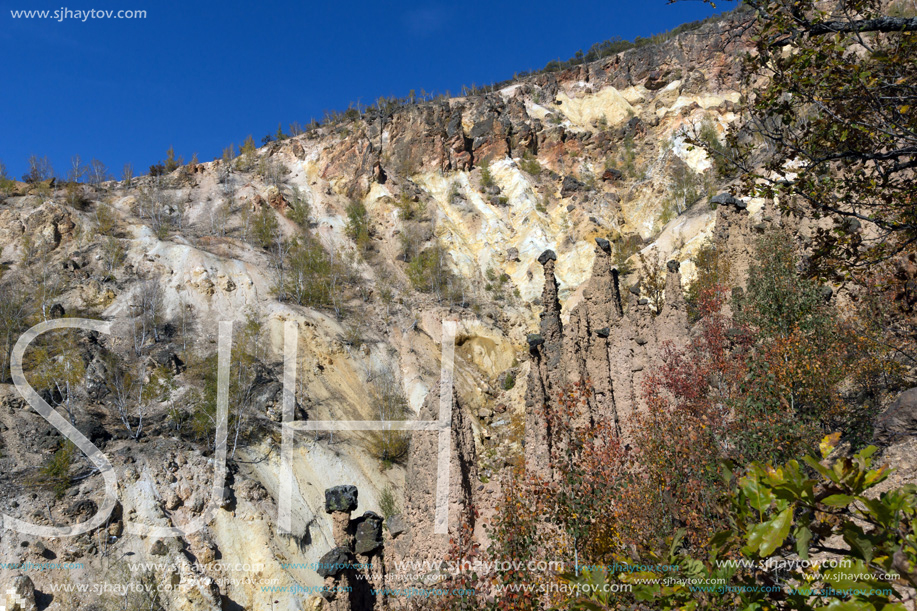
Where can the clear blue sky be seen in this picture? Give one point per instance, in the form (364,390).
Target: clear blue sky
(199,75)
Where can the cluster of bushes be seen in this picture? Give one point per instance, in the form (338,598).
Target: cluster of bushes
(6,183)
(496,282)
(300,211)
(652,279)
(685,189)
(244,376)
(487,177)
(721,155)
(279,136)
(167,165)
(428,272)
(358,224)
(161,208)
(265,227)
(385,106)
(529,164)
(388,504)
(314,277)
(389,401)
(623,248)
(56,470)
(616,45)
(712,270)
(270,171)
(409,209)
(40,169)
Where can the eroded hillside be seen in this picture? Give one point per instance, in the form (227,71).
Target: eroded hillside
(366,234)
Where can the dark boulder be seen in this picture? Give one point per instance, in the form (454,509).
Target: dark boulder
(534,340)
(396,525)
(727,199)
(335,562)
(341,498)
(368,536)
(634,128)
(571,186)
(548,255)
(611,175)
(899,421)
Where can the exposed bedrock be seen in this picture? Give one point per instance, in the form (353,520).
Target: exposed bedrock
(612,340)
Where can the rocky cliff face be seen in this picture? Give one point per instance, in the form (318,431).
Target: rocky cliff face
(542,195)
(612,337)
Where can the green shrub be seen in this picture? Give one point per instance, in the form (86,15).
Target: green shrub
(719,153)
(530,164)
(300,211)
(409,209)
(388,505)
(171,163)
(244,370)
(265,227)
(309,274)
(429,272)
(487,178)
(246,159)
(358,224)
(455,193)
(712,270)
(113,254)
(623,248)
(794,511)
(777,298)
(390,403)
(652,280)
(509,381)
(426,269)
(389,447)
(56,470)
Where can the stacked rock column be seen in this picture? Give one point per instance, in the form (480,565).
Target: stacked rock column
(355,567)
